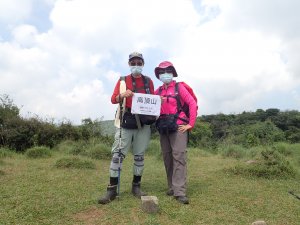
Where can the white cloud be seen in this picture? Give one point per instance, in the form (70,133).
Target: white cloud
(232,53)
(12,11)
(25,35)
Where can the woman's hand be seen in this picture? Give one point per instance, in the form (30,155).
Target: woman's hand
(184,128)
(162,99)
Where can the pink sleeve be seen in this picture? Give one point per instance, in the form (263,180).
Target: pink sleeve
(186,97)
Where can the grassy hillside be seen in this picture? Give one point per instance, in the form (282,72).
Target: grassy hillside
(46,191)
(107,127)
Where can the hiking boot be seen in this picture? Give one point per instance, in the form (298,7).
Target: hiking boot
(111,194)
(182,199)
(170,192)
(136,190)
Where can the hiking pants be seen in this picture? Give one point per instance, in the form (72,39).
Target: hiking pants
(173,147)
(139,140)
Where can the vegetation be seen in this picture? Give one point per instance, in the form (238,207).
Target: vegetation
(55,191)
(241,168)
(74,162)
(249,129)
(38,152)
(19,133)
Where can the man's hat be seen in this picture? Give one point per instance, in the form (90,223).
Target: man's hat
(136,55)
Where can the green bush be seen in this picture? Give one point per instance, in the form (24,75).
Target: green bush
(99,151)
(272,164)
(283,148)
(75,163)
(1,173)
(233,151)
(201,135)
(38,152)
(74,147)
(255,151)
(259,133)
(5,152)
(18,134)
(65,146)
(79,148)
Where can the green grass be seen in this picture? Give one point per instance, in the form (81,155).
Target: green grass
(5,152)
(75,163)
(38,152)
(37,192)
(93,149)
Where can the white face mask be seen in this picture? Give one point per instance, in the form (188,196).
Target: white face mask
(166,78)
(136,70)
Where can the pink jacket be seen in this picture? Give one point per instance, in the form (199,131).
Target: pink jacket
(169,105)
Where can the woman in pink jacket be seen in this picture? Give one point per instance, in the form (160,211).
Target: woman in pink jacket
(173,126)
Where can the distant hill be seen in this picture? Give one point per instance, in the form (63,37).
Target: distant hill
(107,127)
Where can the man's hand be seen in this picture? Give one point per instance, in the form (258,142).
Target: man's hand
(127,93)
(184,128)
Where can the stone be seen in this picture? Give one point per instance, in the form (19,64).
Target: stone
(259,222)
(251,162)
(149,204)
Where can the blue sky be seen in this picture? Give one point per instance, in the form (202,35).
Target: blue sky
(60,59)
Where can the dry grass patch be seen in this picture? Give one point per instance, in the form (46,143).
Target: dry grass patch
(90,216)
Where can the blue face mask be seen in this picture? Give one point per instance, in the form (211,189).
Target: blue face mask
(135,70)
(166,78)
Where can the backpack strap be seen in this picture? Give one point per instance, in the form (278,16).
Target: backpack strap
(160,90)
(146,84)
(176,96)
(179,106)
(137,118)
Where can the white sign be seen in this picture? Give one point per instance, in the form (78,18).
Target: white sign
(146,104)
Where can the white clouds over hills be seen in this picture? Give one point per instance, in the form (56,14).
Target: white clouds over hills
(61,58)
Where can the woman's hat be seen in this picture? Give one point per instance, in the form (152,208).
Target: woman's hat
(164,65)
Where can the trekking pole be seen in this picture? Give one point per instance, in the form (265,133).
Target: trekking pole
(120,165)
(120,147)
(295,195)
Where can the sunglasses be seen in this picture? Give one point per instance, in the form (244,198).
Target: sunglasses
(166,70)
(135,63)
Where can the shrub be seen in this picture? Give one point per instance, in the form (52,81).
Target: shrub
(65,146)
(253,152)
(201,135)
(1,173)
(66,131)
(99,151)
(283,148)
(46,134)
(19,134)
(5,152)
(233,151)
(38,152)
(272,164)
(75,163)
(79,148)
(259,133)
